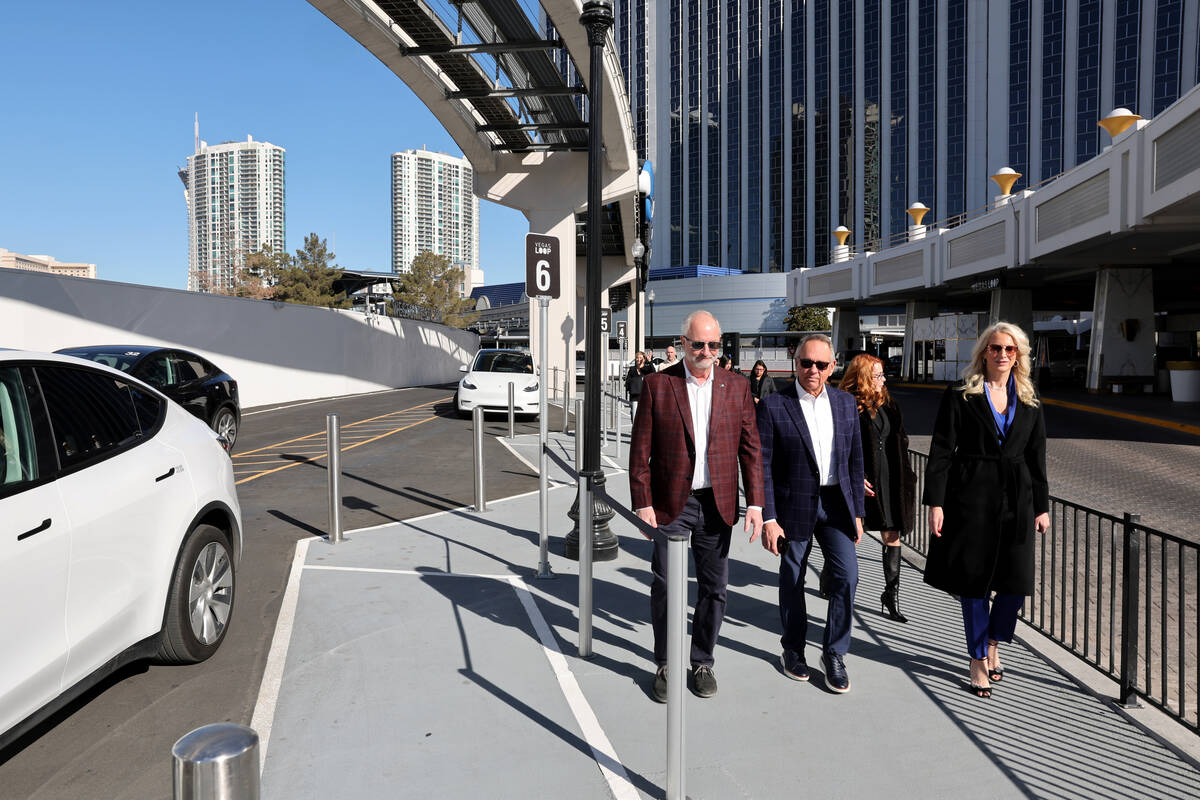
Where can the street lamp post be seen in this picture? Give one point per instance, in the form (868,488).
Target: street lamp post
(595,540)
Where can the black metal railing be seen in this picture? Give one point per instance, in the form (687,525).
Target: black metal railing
(1117,594)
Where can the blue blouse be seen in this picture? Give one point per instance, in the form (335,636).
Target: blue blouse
(1004,421)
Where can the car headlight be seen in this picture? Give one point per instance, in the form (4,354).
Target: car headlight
(466,384)
(533,387)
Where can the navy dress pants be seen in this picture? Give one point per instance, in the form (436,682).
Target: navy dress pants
(835,532)
(710,554)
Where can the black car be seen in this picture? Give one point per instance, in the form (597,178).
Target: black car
(191,381)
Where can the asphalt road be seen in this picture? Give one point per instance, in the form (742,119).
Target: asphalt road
(116,741)
(412,456)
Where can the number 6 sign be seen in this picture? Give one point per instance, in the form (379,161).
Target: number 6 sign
(541,265)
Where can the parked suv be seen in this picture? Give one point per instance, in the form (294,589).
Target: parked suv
(195,383)
(120,532)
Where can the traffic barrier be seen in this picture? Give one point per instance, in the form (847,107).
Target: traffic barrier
(333,441)
(216,762)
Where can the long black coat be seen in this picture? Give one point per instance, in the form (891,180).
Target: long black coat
(976,483)
(903,478)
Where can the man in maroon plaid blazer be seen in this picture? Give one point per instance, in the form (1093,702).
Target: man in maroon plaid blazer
(694,426)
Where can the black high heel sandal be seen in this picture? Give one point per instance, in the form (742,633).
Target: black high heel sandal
(982,692)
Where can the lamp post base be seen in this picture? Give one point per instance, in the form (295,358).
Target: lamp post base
(605,545)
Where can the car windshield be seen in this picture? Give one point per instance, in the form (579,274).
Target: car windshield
(120,358)
(498,361)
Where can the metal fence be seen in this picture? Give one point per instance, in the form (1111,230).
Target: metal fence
(1117,594)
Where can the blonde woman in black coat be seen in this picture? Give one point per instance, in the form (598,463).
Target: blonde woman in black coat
(891,483)
(986,488)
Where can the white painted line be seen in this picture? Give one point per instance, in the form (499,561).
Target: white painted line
(517,455)
(324,400)
(602,749)
(268,690)
(415,572)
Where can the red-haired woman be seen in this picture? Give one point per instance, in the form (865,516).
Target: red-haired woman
(890,481)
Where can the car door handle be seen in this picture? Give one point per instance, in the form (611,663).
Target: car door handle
(165,475)
(45,524)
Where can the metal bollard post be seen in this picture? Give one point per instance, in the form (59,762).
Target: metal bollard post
(216,762)
(578,437)
(586,538)
(477,422)
(543,570)
(333,439)
(617,429)
(512,410)
(566,402)
(1132,557)
(676,664)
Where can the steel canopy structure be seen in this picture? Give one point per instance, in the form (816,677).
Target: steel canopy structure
(495,75)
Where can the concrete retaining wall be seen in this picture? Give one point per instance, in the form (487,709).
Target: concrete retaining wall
(277,352)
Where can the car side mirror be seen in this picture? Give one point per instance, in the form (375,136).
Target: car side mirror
(462,367)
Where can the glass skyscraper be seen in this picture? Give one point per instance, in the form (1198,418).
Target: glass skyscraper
(779,120)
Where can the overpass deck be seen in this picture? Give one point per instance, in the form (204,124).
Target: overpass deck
(422,658)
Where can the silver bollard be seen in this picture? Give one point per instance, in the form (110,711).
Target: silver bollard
(617,429)
(676,664)
(333,439)
(566,402)
(512,410)
(586,538)
(216,762)
(477,422)
(579,434)
(543,570)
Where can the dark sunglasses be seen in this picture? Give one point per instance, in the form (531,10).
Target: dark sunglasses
(808,363)
(698,346)
(1009,349)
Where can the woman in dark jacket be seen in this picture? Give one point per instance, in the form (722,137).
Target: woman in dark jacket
(890,482)
(761,383)
(986,487)
(633,380)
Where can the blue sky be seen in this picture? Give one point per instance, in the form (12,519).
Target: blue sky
(100,119)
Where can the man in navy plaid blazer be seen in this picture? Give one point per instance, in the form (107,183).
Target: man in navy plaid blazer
(813,485)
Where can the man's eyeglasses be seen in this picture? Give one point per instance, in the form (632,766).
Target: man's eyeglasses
(1007,349)
(698,346)
(808,363)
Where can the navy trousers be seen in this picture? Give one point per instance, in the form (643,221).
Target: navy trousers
(998,623)
(835,533)
(710,556)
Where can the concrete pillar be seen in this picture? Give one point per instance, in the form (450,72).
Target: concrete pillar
(1122,329)
(1012,305)
(846,330)
(563,312)
(913,309)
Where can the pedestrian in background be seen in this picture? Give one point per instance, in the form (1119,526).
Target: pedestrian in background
(986,488)
(633,380)
(672,359)
(761,384)
(890,483)
(694,427)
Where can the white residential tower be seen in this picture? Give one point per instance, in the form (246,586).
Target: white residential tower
(434,208)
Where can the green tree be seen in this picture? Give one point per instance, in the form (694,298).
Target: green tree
(429,291)
(307,277)
(807,318)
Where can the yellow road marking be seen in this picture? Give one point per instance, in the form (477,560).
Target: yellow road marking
(322,433)
(322,455)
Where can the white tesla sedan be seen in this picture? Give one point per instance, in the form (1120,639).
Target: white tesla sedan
(487,379)
(120,532)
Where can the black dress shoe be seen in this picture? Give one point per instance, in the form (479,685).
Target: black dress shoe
(660,685)
(704,682)
(794,665)
(835,673)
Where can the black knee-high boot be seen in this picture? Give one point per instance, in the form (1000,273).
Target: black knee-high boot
(890,599)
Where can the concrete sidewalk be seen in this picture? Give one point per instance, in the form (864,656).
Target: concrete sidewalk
(424,659)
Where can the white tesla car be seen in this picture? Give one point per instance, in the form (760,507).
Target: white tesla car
(487,379)
(120,532)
